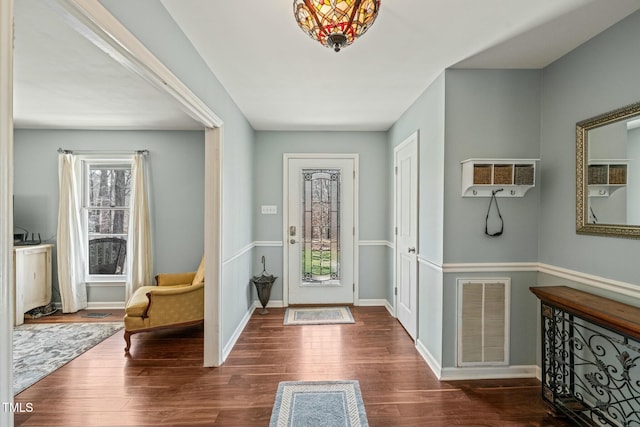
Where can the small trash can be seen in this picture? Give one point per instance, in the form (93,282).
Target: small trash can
(263,284)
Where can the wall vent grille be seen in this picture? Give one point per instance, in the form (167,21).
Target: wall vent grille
(483,321)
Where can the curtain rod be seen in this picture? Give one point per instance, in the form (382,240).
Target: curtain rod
(62,150)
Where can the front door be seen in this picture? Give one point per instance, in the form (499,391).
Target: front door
(319,245)
(406,206)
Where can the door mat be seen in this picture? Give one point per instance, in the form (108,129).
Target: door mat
(318,403)
(317,316)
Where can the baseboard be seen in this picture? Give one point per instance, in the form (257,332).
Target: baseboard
(389,308)
(433,364)
(372,302)
(488,372)
(106,305)
(270,304)
(236,334)
(539,373)
(362,303)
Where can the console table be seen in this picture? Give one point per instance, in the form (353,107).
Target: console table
(590,357)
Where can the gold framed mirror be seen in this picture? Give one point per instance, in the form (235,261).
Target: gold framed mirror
(608,174)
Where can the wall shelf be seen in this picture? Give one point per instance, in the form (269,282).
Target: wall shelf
(606,176)
(480,177)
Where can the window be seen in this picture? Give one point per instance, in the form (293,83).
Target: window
(321,226)
(107,192)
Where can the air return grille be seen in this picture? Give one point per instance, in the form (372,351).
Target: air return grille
(483,321)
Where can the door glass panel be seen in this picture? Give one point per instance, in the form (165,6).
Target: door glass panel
(321,227)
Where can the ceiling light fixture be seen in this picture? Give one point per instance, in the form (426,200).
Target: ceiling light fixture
(335,23)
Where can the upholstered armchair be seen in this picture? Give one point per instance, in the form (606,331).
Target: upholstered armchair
(177,300)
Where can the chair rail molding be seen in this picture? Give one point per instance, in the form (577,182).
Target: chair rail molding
(489,267)
(375,243)
(279,243)
(619,287)
(430,264)
(268,243)
(611,285)
(241,252)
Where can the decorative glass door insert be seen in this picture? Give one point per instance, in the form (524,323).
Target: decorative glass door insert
(320,227)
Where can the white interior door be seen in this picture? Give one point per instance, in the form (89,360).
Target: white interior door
(319,243)
(406,247)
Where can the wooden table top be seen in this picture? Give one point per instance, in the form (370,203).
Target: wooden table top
(615,315)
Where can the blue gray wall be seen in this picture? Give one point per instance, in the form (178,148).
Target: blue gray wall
(150,23)
(176,198)
(427,117)
(472,114)
(491,114)
(516,114)
(599,76)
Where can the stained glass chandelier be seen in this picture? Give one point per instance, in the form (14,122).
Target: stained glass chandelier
(335,23)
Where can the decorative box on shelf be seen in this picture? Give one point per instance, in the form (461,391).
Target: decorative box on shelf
(481,177)
(606,176)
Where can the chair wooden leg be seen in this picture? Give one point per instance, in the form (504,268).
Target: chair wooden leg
(127,339)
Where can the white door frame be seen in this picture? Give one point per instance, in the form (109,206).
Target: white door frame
(95,23)
(7,302)
(285,217)
(414,136)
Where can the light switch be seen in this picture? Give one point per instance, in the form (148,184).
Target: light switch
(269,209)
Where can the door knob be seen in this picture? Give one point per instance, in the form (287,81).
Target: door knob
(412,250)
(292,241)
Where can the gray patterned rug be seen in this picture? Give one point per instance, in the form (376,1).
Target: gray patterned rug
(39,349)
(318,404)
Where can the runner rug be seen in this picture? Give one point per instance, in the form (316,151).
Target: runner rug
(39,349)
(317,316)
(318,404)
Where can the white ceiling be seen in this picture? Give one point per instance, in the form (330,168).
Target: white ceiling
(283,80)
(63,81)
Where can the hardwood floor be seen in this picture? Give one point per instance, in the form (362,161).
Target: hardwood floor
(163,382)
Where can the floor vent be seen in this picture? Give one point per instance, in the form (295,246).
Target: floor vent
(483,322)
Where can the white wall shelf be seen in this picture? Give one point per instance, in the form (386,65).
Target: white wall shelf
(604,176)
(481,177)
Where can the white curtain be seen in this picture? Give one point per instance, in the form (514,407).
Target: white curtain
(71,253)
(140,268)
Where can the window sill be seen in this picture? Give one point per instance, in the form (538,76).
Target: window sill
(105,281)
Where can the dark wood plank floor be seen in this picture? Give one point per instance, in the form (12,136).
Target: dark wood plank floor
(163,382)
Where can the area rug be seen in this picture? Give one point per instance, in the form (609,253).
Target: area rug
(317,316)
(318,404)
(39,349)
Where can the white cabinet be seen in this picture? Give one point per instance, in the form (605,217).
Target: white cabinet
(32,278)
(507,177)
